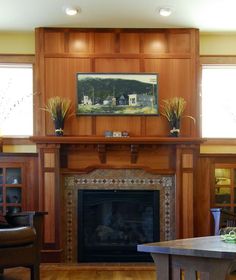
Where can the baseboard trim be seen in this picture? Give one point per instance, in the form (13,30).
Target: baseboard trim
(98,266)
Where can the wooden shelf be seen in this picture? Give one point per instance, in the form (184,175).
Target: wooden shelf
(114,140)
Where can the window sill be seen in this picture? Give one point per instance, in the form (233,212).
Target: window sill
(219,141)
(16,140)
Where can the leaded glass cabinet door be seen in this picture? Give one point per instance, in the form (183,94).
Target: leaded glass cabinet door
(1,190)
(11,188)
(225,187)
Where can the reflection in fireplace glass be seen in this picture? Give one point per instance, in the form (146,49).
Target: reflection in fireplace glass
(113,222)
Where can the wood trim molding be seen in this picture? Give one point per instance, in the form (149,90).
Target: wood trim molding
(217,59)
(221,141)
(115,140)
(17,58)
(16,141)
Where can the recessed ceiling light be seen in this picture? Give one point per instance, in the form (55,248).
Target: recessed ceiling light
(71,11)
(165,12)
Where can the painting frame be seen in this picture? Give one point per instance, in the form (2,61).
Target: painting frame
(117,94)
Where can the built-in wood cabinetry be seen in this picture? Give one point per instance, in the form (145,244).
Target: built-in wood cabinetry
(12,188)
(18,183)
(216,187)
(224,187)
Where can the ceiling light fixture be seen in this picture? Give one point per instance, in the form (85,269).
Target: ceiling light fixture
(71,11)
(165,12)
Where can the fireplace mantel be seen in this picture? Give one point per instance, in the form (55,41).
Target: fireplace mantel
(102,143)
(59,156)
(148,140)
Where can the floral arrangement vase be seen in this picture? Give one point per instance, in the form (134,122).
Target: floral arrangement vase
(59,126)
(175,128)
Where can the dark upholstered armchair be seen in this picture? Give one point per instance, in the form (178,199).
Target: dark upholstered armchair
(21,240)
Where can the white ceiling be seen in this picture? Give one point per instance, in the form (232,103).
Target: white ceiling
(207,15)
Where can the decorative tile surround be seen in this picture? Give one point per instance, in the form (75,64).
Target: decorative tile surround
(123,179)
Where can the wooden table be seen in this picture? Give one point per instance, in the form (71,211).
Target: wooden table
(196,258)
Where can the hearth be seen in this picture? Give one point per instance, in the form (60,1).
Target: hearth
(112,222)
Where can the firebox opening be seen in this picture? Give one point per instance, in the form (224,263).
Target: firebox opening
(112,222)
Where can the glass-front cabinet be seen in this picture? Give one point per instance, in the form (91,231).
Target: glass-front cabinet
(11,189)
(224,194)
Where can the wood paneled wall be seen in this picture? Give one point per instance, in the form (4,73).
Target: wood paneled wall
(172,53)
(60,54)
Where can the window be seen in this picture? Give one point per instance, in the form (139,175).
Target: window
(219,101)
(16,99)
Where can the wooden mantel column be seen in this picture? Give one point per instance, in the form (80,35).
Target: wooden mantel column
(186,159)
(49,200)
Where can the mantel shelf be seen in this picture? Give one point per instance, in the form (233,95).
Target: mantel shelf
(102,143)
(115,140)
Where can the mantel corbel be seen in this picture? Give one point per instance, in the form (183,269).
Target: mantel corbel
(134,153)
(101,148)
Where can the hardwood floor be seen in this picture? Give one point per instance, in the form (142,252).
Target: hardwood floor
(85,272)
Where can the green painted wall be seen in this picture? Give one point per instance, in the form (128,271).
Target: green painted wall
(210,43)
(17,43)
(218,44)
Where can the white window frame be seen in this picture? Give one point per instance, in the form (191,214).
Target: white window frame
(20,59)
(215,61)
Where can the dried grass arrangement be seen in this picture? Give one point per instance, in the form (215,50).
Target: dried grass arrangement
(59,109)
(173,109)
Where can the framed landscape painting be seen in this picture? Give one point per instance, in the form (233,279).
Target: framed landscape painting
(117,94)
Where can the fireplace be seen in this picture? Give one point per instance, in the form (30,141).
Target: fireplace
(67,164)
(112,222)
(122,181)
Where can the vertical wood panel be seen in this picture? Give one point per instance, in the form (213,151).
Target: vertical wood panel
(154,42)
(117,65)
(156,126)
(174,80)
(118,124)
(174,75)
(61,80)
(179,43)
(49,160)
(32,192)
(129,43)
(202,196)
(187,198)
(54,42)
(104,42)
(39,115)
(49,206)
(178,193)
(81,42)
(187,161)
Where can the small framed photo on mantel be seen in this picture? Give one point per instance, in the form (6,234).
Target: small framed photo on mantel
(109,133)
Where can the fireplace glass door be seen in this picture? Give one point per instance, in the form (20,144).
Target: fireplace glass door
(112,222)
